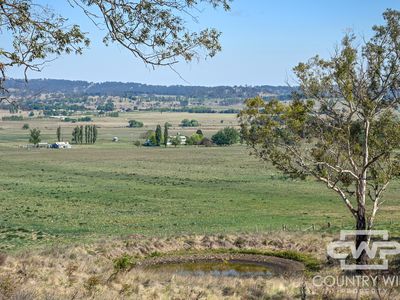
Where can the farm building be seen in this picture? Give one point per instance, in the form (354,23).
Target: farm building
(60,145)
(178,136)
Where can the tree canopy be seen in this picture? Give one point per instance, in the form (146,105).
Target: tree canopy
(34,136)
(226,136)
(155,32)
(343,128)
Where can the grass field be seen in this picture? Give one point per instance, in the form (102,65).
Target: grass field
(116,189)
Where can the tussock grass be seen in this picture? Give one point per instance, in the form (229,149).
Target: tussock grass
(89,270)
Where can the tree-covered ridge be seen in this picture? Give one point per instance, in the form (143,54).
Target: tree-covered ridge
(19,88)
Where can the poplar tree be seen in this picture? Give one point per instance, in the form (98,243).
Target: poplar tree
(86,134)
(81,134)
(165,134)
(59,133)
(75,135)
(94,137)
(158,135)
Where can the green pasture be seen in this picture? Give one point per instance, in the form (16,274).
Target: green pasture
(116,189)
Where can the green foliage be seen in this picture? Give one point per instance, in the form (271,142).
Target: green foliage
(137,143)
(166,135)
(189,123)
(343,127)
(135,124)
(175,141)
(94,134)
(75,135)
(226,136)
(85,119)
(124,263)
(37,35)
(31,114)
(158,135)
(58,133)
(25,126)
(139,193)
(147,134)
(34,137)
(12,118)
(150,137)
(194,139)
(153,139)
(81,134)
(310,262)
(87,134)
(113,114)
(108,106)
(68,119)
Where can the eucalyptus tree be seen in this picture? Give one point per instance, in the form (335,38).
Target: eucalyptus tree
(343,127)
(155,32)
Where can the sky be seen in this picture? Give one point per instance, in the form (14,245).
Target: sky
(262,40)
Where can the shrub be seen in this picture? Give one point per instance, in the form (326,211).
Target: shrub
(135,124)
(92,282)
(12,118)
(85,119)
(195,139)
(137,143)
(68,119)
(25,126)
(151,139)
(175,141)
(189,123)
(124,263)
(34,137)
(206,142)
(226,136)
(146,135)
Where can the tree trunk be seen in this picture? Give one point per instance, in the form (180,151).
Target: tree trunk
(361,225)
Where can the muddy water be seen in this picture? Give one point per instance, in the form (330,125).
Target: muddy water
(215,268)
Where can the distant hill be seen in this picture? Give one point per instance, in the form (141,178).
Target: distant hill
(19,88)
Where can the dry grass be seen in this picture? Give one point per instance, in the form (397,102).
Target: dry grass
(88,271)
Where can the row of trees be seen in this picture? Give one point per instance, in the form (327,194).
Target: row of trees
(151,31)
(224,137)
(184,123)
(81,134)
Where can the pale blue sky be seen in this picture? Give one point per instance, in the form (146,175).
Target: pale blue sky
(262,40)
